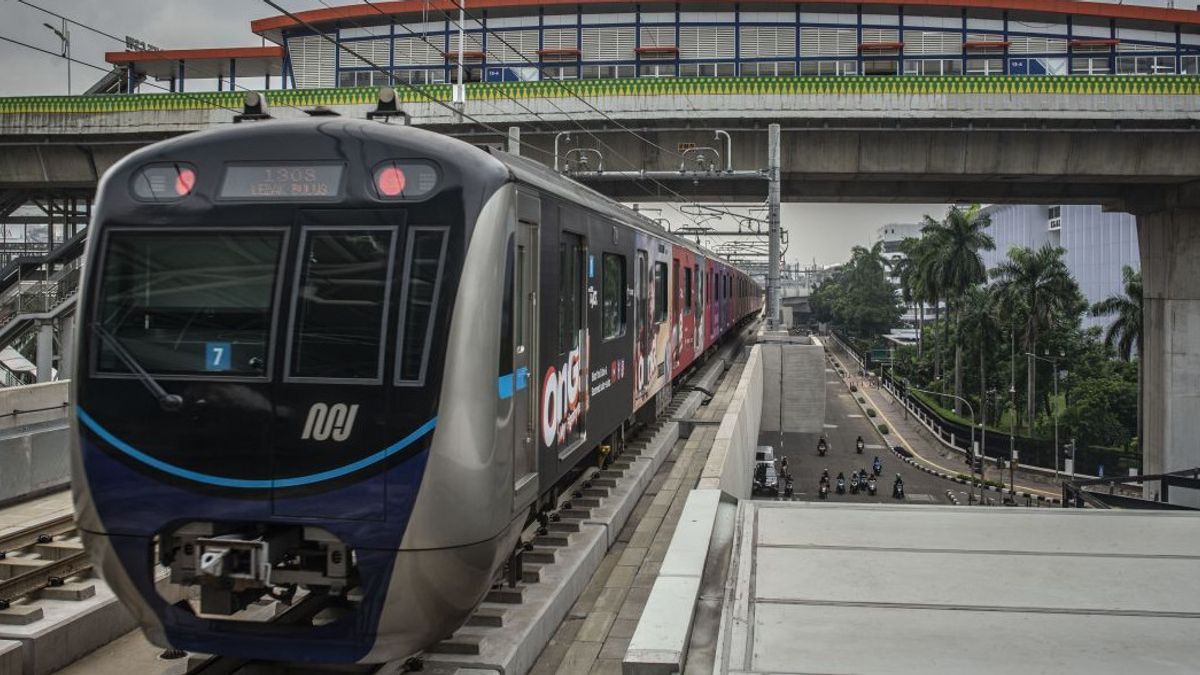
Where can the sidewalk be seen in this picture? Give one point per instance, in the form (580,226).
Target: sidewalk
(927,450)
(594,636)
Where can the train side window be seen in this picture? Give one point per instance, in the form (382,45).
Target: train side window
(340,307)
(660,292)
(696,281)
(571,254)
(423,264)
(687,290)
(613,303)
(641,286)
(676,287)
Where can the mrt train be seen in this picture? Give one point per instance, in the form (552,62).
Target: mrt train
(343,361)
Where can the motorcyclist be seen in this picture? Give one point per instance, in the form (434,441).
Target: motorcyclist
(877,466)
(853,482)
(898,486)
(859,445)
(825,476)
(871,484)
(822,445)
(841,482)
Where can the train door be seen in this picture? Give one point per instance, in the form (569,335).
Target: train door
(526,276)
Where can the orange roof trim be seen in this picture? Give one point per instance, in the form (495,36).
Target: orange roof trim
(355,12)
(195,54)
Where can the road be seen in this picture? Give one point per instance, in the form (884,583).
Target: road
(844,423)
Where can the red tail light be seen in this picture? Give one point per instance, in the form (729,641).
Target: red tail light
(390,180)
(185,180)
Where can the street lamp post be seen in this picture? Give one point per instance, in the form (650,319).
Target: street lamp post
(1053,361)
(974,421)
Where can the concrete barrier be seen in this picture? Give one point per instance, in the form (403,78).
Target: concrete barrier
(731,459)
(34,456)
(659,643)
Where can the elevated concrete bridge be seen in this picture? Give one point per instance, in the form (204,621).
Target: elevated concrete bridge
(1130,143)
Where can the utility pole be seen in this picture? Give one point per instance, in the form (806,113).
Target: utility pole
(773,226)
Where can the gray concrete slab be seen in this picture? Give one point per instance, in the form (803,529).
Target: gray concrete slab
(10,658)
(68,630)
(865,588)
(823,639)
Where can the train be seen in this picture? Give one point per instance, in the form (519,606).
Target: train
(348,361)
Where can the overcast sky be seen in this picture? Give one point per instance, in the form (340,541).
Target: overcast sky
(824,232)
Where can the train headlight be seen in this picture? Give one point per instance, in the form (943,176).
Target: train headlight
(390,180)
(406,180)
(164,182)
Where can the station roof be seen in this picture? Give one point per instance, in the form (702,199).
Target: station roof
(380,12)
(202,63)
(882,588)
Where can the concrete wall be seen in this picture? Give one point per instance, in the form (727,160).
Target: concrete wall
(729,466)
(793,384)
(33,445)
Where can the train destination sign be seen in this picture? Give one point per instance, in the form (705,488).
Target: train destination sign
(282,181)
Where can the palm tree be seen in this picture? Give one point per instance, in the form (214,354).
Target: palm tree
(980,317)
(956,243)
(1039,286)
(1125,333)
(912,288)
(927,280)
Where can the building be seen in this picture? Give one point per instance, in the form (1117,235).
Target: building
(366,44)
(1097,244)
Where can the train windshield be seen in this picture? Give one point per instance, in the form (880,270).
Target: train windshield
(189,303)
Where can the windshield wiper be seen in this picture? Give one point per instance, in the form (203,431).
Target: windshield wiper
(168,402)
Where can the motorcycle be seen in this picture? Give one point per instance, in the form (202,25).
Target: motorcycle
(877,467)
(871,486)
(853,483)
(788,490)
(841,486)
(822,446)
(823,491)
(898,490)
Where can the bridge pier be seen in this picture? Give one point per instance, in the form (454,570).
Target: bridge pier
(1169,240)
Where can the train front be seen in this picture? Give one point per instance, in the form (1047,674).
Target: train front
(267,328)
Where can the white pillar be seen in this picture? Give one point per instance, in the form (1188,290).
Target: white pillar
(66,341)
(45,351)
(514,140)
(773,226)
(1170,251)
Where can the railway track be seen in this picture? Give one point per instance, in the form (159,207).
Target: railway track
(34,578)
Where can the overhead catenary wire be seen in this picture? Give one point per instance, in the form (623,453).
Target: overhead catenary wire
(106,34)
(391,75)
(558,82)
(108,70)
(392,78)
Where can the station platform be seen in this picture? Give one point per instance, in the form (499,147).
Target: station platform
(857,588)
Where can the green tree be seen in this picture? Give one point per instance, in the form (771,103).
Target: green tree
(954,258)
(859,298)
(1124,335)
(1037,286)
(981,321)
(1102,409)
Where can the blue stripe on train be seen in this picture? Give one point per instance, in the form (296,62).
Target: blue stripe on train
(251,483)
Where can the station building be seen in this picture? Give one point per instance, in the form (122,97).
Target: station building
(418,42)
